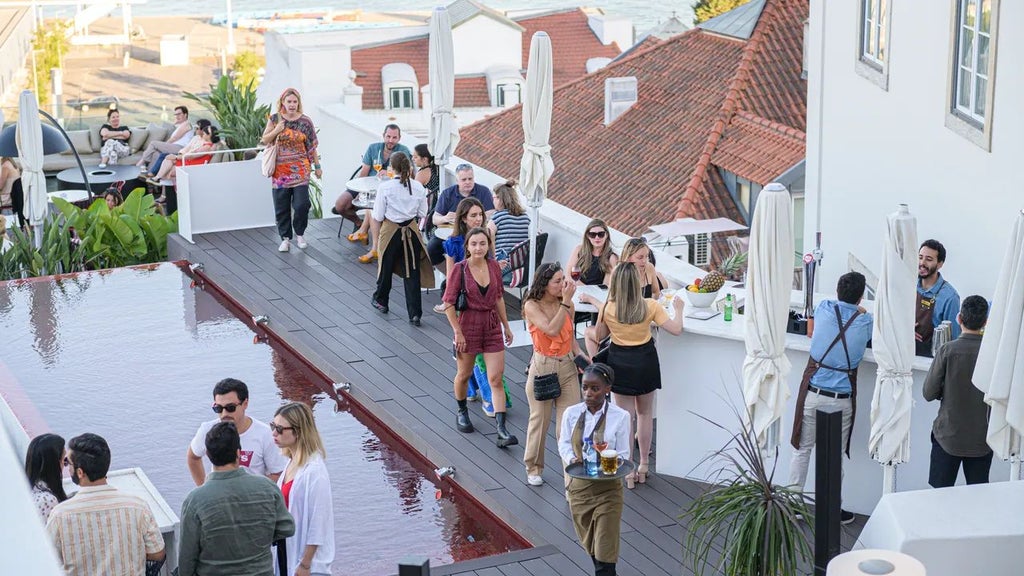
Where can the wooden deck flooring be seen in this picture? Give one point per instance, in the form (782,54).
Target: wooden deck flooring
(318,300)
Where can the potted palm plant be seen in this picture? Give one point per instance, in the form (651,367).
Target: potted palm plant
(754,521)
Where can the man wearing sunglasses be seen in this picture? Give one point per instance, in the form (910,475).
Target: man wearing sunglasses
(259,454)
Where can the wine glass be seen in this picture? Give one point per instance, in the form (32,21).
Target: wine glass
(377,166)
(575,273)
(600,446)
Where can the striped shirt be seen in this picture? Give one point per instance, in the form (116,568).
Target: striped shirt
(103,531)
(511,230)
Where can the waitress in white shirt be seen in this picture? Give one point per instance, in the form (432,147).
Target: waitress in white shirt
(400,204)
(596,505)
(306,488)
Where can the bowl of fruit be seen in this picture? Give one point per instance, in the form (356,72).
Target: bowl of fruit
(704,291)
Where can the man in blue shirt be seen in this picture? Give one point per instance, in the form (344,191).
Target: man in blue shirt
(841,333)
(937,300)
(377,154)
(448,201)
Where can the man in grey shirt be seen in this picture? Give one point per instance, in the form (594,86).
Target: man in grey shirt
(229,523)
(958,434)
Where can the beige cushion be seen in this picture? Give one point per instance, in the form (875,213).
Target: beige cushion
(80,142)
(94,138)
(138,139)
(158,132)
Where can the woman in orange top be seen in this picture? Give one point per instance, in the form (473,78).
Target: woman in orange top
(549,312)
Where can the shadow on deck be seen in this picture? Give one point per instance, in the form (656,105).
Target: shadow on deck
(318,300)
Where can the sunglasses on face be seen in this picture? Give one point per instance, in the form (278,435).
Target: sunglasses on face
(229,407)
(67,461)
(279,429)
(597,234)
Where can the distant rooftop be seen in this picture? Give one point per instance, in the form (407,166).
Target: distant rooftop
(736,23)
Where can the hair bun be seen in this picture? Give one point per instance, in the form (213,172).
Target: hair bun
(511,182)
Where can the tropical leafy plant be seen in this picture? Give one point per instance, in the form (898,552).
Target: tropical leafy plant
(240,117)
(316,198)
(707,9)
(247,69)
(97,237)
(753,519)
(50,44)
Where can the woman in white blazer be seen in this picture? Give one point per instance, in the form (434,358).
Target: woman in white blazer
(307,491)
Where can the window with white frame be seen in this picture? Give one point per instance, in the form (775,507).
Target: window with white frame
(874,32)
(975,41)
(400,98)
(509,94)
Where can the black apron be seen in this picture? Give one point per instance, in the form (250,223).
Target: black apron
(924,317)
(812,368)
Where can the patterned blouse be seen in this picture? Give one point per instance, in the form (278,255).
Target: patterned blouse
(44,500)
(296,152)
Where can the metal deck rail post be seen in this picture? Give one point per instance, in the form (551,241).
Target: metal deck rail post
(415,566)
(828,484)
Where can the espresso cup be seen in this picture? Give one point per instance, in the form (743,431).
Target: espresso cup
(610,461)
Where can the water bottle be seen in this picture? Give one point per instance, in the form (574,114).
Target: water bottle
(727,312)
(589,457)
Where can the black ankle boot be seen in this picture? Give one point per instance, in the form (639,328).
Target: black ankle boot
(504,438)
(462,418)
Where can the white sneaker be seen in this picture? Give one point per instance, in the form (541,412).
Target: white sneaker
(301,242)
(534,480)
(102,165)
(285,245)
(488,409)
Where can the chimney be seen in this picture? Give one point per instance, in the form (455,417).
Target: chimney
(619,95)
(608,29)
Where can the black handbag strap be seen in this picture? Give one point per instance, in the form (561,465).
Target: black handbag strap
(282,557)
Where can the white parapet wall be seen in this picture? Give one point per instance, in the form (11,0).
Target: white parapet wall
(223,196)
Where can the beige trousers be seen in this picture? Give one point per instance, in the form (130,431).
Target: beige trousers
(540,412)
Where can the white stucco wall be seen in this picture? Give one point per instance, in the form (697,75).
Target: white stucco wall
(870,149)
(482,42)
(319,71)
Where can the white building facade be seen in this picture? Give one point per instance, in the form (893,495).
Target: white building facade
(918,103)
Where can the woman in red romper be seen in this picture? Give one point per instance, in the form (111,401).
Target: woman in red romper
(478,329)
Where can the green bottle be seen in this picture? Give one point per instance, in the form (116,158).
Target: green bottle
(728,308)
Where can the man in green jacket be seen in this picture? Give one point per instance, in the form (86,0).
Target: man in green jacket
(229,523)
(959,431)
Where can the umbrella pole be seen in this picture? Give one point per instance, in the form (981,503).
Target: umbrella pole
(888,478)
(534,215)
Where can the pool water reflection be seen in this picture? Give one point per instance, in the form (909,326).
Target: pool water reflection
(133,355)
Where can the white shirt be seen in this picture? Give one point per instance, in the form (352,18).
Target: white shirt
(185,137)
(616,429)
(259,453)
(312,507)
(395,203)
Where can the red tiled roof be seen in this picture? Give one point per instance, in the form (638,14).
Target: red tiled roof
(572,43)
(758,149)
(693,89)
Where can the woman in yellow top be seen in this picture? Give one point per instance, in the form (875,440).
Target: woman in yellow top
(627,317)
(549,311)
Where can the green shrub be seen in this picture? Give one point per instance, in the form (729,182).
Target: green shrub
(240,118)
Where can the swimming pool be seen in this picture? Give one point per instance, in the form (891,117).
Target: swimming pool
(132,354)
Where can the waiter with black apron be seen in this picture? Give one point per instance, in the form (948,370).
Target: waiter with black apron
(937,300)
(841,334)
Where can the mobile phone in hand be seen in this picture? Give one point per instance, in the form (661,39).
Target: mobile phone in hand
(581,362)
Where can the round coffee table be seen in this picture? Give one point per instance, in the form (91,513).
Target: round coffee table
(99,178)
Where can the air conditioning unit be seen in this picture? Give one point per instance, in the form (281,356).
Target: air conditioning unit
(619,95)
(700,250)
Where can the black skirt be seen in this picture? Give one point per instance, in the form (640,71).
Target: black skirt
(637,370)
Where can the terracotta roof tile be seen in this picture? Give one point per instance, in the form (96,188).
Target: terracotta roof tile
(758,149)
(693,94)
(572,43)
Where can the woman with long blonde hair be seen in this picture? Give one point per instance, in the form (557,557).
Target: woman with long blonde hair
(307,491)
(297,158)
(627,317)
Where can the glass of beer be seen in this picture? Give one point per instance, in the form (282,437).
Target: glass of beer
(610,461)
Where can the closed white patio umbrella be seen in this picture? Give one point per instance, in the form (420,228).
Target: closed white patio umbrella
(769,283)
(30,152)
(536,167)
(893,346)
(444,134)
(999,372)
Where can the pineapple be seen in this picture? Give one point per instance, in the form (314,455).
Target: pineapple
(712,282)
